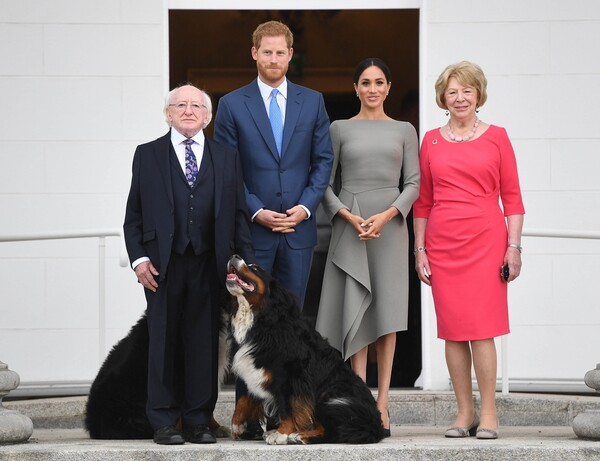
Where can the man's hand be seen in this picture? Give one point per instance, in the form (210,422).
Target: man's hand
(145,273)
(280,222)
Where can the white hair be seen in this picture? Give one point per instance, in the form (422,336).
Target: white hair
(205,96)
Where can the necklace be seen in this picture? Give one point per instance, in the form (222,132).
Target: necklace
(466,137)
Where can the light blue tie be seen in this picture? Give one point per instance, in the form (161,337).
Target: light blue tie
(276,120)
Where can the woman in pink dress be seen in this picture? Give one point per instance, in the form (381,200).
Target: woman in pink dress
(463,237)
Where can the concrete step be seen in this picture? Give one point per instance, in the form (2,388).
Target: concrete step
(532,427)
(407,407)
(422,443)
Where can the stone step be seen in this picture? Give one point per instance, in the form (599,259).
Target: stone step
(422,443)
(407,407)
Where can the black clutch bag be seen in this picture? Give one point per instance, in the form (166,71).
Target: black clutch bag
(504,273)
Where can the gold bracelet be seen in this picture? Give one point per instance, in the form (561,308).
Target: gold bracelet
(516,246)
(419,250)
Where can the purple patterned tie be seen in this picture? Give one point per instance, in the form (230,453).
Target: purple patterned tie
(191,165)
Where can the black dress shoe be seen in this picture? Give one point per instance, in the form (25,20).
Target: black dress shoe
(168,435)
(254,431)
(199,434)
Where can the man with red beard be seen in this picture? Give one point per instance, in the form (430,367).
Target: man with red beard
(281,131)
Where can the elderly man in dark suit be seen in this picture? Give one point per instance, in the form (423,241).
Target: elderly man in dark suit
(186,215)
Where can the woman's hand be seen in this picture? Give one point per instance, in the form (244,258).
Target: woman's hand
(353,219)
(512,257)
(373,226)
(422,267)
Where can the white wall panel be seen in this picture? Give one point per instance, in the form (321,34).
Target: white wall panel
(71,294)
(544,294)
(142,11)
(23,294)
(142,106)
(532,160)
(574,46)
(576,210)
(575,164)
(125,300)
(21,52)
(60,355)
(61,212)
(104,49)
(472,11)
(558,352)
(515,48)
(107,165)
(60,11)
(22,167)
(63,108)
(573,102)
(520,103)
(88,167)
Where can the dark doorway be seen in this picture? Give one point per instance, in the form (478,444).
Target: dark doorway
(212,50)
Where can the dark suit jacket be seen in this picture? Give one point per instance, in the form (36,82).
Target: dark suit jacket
(300,176)
(149,216)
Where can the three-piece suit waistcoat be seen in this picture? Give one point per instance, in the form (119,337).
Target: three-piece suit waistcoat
(193,207)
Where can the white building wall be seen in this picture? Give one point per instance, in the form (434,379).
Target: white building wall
(82,84)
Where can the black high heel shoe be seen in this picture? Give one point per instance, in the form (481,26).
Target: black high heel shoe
(387,432)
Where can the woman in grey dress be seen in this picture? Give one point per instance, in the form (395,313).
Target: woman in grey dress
(364,298)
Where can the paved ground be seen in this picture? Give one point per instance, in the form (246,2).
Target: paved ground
(532,427)
(407,443)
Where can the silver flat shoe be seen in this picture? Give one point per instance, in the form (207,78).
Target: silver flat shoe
(460,432)
(486,434)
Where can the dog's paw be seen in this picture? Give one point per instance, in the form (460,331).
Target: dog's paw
(296,439)
(276,438)
(237,430)
(268,433)
(222,432)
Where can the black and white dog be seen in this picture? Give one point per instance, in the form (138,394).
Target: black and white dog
(291,371)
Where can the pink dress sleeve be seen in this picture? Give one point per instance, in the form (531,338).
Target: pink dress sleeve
(510,191)
(422,207)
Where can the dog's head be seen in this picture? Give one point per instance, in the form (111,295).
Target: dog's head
(246,280)
(251,286)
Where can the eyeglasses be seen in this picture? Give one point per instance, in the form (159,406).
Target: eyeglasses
(182,106)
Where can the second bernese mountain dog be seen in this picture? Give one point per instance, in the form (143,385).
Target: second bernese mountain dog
(116,405)
(291,371)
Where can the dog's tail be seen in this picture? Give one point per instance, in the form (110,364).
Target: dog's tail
(349,420)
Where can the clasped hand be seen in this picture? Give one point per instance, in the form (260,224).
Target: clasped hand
(370,228)
(281,222)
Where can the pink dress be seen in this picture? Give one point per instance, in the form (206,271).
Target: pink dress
(466,235)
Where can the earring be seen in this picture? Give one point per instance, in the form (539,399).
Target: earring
(477,110)
(388,93)
(447,113)
(357,94)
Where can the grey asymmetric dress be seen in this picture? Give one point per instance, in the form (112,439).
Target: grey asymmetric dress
(365,285)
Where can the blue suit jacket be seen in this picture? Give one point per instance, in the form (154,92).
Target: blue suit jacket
(299,177)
